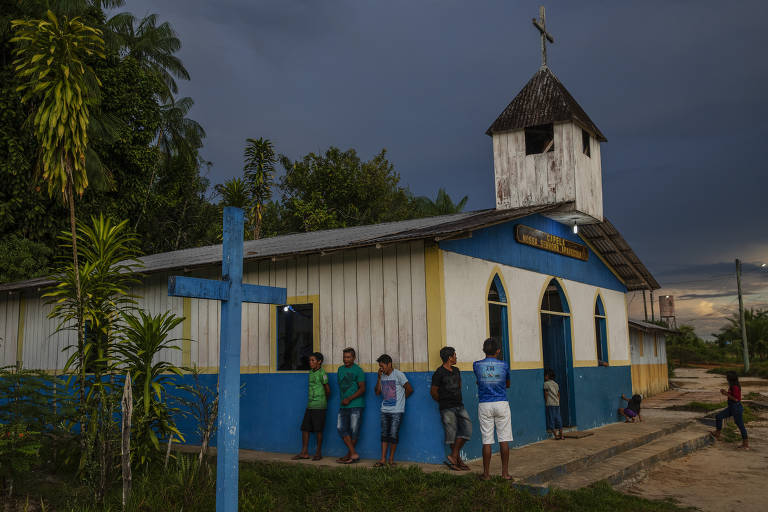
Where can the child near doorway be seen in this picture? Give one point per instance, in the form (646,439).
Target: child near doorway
(552,404)
(735,409)
(631,412)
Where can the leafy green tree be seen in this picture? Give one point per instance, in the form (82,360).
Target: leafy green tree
(756,323)
(23,258)
(337,189)
(442,205)
(51,61)
(144,337)
(152,45)
(259,172)
(234,193)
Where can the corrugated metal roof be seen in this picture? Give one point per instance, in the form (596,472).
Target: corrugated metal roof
(647,326)
(543,100)
(437,228)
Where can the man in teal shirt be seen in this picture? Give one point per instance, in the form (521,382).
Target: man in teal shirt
(352,387)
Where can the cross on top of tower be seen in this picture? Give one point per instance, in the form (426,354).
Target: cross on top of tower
(545,36)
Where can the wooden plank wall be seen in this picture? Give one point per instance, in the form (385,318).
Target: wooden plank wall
(371,299)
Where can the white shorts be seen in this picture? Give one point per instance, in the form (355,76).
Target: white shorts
(495,414)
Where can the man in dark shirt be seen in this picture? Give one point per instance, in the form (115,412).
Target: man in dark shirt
(446,391)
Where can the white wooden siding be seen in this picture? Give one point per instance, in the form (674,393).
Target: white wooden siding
(373,300)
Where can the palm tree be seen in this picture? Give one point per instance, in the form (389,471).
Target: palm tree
(54,76)
(153,46)
(233,193)
(178,137)
(259,169)
(442,205)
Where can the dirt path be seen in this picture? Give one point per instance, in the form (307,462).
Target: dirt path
(719,478)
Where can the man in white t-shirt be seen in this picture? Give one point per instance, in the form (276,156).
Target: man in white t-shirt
(394,388)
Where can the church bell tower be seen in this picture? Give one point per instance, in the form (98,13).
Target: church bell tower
(546,150)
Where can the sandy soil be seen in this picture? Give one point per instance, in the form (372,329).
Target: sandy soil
(719,478)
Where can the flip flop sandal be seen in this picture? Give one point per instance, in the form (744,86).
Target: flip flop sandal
(299,457)
(380,465)
(342,460)
(452,467)
(463,467)
(352,461)
(317,457)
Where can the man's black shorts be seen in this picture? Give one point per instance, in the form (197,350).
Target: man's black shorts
(314,420)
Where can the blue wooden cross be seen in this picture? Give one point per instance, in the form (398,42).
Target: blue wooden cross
(232,293)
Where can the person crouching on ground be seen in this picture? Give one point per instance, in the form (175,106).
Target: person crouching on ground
(446,391)
(394,388)
(552,404)
(317,402)
(352,388)
(735,409)
(493,408)
(632,411)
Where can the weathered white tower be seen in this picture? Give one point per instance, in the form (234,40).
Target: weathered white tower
(546,150)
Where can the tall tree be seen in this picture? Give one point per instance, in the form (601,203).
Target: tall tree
(151,44)
(259,171)
(423,206)
(337,189)
(52,63)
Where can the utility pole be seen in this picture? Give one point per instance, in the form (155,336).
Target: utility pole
(653,316)
(645,307)
(741,317)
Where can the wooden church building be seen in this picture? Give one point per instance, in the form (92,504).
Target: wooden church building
(544,272)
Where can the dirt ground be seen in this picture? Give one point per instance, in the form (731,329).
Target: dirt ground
(719,478)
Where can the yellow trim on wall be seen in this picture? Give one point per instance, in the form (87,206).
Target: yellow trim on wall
(435,293)
(20,332)
(296,299)
(186,333)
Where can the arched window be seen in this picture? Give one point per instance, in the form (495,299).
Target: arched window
(601,335)
(498,327)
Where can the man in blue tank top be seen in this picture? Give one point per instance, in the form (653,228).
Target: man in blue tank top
(493,408)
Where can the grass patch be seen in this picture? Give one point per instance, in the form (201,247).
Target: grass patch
(288,487)
(759,369)
(698,407)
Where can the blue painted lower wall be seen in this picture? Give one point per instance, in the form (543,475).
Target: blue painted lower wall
(272,406)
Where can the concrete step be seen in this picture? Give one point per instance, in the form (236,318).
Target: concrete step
(588,460)
(619,467)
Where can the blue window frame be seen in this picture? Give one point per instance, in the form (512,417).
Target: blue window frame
(601,334)
(498,325)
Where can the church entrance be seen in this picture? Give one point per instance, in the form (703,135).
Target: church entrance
(556,346)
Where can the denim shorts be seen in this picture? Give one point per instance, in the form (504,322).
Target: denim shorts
(390,426)
(456,423)
(554,420)
(348,422)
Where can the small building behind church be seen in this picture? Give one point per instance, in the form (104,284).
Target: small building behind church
(544,272)
(648,344)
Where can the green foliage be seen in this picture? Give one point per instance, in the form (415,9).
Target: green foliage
(23,258)
(685,347)
(234,193)
(337,189)
(259,172)
(28,420)
(698,407)
(442,205)
(201,403)
(756,322)
(52,65)
(144,337)
(759,369)
(287,487)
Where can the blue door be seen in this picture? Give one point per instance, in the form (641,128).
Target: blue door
(556,347)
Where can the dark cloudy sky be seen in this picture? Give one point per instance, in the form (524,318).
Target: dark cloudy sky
(677,87)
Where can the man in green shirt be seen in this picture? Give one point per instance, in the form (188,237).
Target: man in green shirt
(352,388)
(317,403)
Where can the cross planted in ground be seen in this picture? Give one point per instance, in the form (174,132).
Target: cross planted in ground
(232,292)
